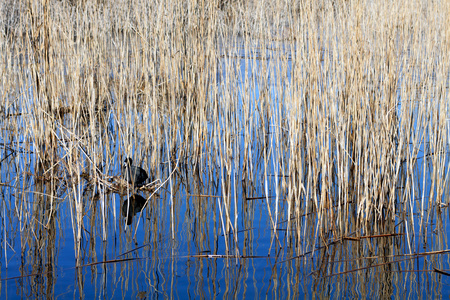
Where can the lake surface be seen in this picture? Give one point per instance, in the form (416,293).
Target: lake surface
(182,246)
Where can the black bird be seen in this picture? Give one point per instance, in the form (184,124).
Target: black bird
(134,175)
(130,210)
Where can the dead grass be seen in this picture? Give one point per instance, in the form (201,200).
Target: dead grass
(337,108)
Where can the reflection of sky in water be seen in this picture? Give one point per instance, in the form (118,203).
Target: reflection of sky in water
(162,267)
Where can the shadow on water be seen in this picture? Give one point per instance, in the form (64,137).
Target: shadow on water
(133,205)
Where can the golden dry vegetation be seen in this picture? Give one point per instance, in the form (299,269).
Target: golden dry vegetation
(337,111)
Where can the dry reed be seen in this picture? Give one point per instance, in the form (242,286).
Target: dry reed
(338,109)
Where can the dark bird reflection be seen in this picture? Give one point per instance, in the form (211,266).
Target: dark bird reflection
(136,204)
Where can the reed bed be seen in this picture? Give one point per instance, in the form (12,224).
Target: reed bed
(334,114)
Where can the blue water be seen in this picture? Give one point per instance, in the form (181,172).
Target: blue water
(176,247)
